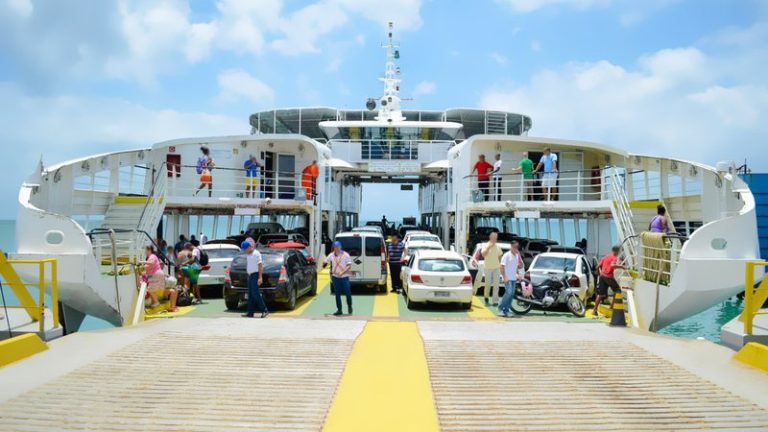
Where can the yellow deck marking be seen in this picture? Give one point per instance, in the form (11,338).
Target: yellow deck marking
(20,347)
(162,311)
(479,310)
(387,368)
(323,279)
(387,305)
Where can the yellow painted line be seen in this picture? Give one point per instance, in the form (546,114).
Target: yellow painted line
(133,200)
(753,354)
(385,386)
(162,311)
(323,279)
(479,310)
(20,347)
(387,305)
(644,204)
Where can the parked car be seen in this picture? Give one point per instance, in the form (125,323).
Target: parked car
(476,265)
(369,258)
(301,247)
(437,277)
(532,247)
(288,276)
(420,236)
(266,239)
(403,229)
(220,257)
(416,246)
(256,229)
(566,249)
(548,264)
(369,228)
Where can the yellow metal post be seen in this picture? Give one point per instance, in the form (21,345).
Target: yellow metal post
(748,291)
(41,295)
(55,292)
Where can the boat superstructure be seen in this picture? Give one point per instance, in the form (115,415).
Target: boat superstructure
(95,214)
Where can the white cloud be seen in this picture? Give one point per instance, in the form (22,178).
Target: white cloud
(678,102)
(535,46)
(23,8)
(527,6)
(61,128)
(424,88)
(237,84)
(499,58)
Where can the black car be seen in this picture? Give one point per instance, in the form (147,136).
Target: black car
(288,275)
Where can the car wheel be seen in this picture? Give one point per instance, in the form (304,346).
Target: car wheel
(291,305)
(232,302)
(382,288)
(467,306)
(409,304)
(313,290)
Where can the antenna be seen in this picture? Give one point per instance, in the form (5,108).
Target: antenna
(390,102)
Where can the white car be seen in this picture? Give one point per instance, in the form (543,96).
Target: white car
(421,238)
(437,277)
(478,265)
(409,234)
(369,258)
(548,264)
(416,247)
(220,256)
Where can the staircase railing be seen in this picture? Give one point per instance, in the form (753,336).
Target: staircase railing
(624,219)
(153,208)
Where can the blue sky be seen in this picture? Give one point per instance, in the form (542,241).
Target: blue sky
(675,77)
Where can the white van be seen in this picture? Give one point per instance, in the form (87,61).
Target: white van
(369,258)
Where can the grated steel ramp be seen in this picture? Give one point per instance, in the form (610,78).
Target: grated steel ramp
(575,385)
(215,379)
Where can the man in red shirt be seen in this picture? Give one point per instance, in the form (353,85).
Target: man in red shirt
(483,179)
(606,267)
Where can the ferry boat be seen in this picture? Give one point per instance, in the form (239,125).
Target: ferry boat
(95,214)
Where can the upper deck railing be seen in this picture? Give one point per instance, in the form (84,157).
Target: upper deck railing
(572,185)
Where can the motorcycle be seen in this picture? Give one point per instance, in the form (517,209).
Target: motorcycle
(552,292)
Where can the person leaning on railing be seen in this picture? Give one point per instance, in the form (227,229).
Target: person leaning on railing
(525,166)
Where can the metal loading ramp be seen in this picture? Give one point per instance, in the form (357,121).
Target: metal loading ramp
(218,375)
(518,383)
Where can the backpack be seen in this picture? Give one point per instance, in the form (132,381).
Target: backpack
(203,258)
(184,299)
(201,165)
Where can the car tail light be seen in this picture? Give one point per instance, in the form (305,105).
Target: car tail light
(383,258)
(227,277)
(466,280)
(574,281)
(416,279)
(283,276)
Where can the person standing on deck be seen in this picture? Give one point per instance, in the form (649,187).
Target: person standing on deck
(180,244)
(309,179)
(497,177)
(606,267)
(483,180)
(255,269)
(341,264)
(549,180)
(252,166)
(492,258)
(511,264)
(394,256)
(203,239)
(205,165)
(525,166)
(659,222)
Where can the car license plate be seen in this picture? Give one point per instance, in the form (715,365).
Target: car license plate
(442,294)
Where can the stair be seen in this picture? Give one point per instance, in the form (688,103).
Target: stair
(643,212)
(125,213)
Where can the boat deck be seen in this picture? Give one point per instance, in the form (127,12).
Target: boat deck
(386,368)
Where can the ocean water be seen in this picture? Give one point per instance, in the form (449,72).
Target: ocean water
(706,324)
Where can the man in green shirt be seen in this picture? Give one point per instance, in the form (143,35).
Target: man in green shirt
(526,167)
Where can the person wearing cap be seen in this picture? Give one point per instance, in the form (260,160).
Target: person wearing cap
(341,264)
(252,166)
(255,269)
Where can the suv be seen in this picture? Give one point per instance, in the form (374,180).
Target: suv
(369,258)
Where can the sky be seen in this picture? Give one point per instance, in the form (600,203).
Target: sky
(681,78)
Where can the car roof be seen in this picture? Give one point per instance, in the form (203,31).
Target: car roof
(501,244)
(359,234)
(424,243)
(559,255)
(426,254)
(219,246)
(286,245)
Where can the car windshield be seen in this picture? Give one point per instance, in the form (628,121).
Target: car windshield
(441,265)
(272,259)
(423,238)
(554,263)
(221,253)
